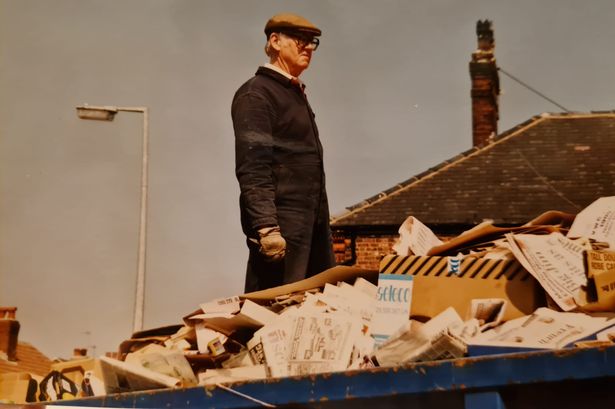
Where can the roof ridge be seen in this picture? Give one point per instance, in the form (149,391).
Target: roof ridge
(400,187)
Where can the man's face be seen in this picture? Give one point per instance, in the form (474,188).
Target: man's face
(295,52)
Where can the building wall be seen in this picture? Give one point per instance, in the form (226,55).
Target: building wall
(371,249)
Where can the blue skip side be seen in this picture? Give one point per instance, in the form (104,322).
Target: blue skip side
(571,378)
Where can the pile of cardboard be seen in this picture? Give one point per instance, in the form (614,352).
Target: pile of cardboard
(544,285)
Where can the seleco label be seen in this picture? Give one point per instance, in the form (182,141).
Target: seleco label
(394,298)
(393,294)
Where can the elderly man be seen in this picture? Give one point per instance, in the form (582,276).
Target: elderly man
(279,162)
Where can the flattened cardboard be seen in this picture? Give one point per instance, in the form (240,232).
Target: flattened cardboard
(331,276)
(435,288)
(120,376)
(547,222)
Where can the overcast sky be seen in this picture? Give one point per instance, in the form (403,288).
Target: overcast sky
(389,85)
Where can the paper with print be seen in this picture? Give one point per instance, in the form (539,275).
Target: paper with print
(555,261)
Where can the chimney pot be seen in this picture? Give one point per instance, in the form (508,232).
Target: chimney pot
(9,332)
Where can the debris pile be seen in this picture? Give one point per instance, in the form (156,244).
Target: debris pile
(548,284)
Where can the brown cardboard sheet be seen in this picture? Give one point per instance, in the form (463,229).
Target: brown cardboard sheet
(545,223)
(331,276)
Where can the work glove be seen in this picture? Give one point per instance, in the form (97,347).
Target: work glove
(272,244)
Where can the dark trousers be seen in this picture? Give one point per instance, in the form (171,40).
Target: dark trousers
(308,252)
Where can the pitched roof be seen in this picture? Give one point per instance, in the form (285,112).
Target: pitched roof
(29,359)
(551,162)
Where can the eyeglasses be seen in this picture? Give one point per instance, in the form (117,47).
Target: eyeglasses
(304,41)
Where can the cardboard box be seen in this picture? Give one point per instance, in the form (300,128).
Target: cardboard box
(17,387)
(436,287)
(600,292)
(76,368)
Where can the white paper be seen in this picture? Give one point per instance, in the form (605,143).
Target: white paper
(164,361)
(229,305)
(274,339)
(242,358)
(415,238)
(258,313)
(366,287)
(555,261)
(362,351)
(410,345)
(206,335)
(596,221)
(544,329)
(120,376)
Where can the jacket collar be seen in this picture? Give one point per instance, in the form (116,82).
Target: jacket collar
(275,75)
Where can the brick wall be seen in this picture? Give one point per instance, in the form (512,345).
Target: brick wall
(370,249)
(485,91)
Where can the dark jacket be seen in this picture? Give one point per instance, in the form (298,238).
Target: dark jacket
(279,166)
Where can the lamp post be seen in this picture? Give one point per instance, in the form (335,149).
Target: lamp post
(107,113)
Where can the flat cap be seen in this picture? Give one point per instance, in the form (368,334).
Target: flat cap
(290,22)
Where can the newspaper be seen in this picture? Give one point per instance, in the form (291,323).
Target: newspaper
(322,342)
(274,339)
(430,341)
(415,238)
(544,329)
(596,221)
(346,298)
(555,261)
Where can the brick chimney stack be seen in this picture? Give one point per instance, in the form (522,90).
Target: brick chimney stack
(9,330)
(485,86)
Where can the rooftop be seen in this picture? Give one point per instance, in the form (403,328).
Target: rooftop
(550,162)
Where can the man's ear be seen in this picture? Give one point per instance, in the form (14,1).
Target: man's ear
(274,40)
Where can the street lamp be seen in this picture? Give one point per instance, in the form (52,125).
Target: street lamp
(107,113)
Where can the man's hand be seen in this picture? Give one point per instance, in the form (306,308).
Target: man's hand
(272,244)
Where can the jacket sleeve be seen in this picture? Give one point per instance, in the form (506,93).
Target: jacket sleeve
(253,117)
